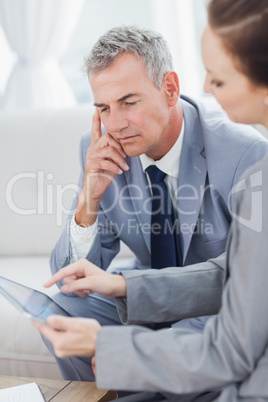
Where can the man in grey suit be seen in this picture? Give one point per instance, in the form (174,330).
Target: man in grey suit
(136,94)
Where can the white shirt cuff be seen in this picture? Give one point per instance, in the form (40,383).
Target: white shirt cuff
(81,239)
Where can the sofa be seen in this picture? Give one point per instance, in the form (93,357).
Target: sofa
(39,169)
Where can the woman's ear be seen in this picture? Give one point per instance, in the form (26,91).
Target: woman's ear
(266,97)
(171,87)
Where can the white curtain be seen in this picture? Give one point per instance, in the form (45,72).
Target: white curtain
(175,19)
(39,32)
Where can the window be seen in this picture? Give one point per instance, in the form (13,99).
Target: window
(180,21)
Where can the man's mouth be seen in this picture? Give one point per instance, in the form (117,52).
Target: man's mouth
(127,138)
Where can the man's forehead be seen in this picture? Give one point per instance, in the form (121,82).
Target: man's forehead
(117,85)
(126,67)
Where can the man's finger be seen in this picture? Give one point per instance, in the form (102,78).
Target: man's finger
(108,140)
(96,127)
(112,154)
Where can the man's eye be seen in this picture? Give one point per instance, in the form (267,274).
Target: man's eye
(104,109)
(131,103)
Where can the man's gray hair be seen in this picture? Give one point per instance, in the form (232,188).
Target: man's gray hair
(148,45)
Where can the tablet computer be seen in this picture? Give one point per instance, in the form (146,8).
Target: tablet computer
(32,303)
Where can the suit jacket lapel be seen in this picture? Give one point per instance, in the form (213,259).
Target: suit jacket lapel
(192,176)
(140,196)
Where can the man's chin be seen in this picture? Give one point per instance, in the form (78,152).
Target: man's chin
(131,151)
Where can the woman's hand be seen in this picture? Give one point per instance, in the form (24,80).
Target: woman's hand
(84,278)
(70,336)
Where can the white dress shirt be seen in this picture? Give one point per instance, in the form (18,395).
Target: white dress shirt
(82,239)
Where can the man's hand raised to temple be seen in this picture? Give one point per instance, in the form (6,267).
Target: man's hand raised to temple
(83,278)
(105,159)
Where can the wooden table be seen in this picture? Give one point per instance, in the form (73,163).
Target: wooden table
(63,391)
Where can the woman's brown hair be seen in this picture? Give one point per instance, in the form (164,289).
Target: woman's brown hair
(242,26)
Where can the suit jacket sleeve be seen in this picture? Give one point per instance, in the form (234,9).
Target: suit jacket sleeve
(233,342)
(172,294)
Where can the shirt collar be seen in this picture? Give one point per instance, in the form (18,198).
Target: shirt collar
(170,162)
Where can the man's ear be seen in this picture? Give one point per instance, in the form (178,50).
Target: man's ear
(171,87)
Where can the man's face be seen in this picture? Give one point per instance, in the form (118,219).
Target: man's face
(133,110)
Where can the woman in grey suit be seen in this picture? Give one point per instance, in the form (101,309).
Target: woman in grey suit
(231,355)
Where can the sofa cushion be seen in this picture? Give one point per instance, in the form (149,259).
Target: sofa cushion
(39,168)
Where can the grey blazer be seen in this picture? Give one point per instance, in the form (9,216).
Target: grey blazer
(232,352)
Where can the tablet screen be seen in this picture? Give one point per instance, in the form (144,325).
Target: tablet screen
(36,304)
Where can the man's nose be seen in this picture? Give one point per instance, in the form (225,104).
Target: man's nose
(116,122)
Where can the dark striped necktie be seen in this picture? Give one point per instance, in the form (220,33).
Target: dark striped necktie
(165,249)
